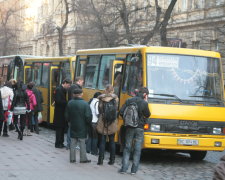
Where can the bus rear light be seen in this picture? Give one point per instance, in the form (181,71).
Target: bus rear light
(146,127)
(154,141)
(224,130)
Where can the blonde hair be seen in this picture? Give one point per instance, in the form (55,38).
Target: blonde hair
(109,89)
(13,81)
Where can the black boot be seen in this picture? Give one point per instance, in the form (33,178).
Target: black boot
(100,160)
(111,160)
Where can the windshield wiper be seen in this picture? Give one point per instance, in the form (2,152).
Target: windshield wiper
(210,97)
(168,95)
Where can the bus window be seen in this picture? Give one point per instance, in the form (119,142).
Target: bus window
(55,83)
(28,75)
(104,76)
(80,68)
(65,71)
(133,74)
(37,73)
(92,72)
(45,75)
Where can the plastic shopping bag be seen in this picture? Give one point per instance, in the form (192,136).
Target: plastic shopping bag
(9,117)
(40,117)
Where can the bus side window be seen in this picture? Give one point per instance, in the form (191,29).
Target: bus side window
(133,74)
(80,67)
(105,76)
(92,72)
(45,75)
(28,75)
(37,73)
(55,82)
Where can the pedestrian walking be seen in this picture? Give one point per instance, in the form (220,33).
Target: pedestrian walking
(134,113)
(92,141)
(77,85)
(78,114)
(20,106)
(107,123)
(59,112)
(38,108)
(7,97)
(33,103)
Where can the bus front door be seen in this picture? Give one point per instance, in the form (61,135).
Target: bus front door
(54,82)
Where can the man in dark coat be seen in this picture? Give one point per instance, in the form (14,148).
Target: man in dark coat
(59,113)
(78,85)
(79,115)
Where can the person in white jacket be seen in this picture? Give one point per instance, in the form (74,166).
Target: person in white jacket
(92,141)
(7,97)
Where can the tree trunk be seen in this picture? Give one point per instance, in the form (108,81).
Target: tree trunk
(163,29)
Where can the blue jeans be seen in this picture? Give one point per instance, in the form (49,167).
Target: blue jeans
(112,147)
(136,136)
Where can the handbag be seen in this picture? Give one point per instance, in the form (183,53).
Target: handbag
(40,117)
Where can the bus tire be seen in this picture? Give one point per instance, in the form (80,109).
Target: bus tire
(198,155)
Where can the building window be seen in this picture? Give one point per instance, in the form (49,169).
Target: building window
(195,44)
(214,45)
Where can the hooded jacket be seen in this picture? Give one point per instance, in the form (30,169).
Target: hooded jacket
(32,99)
(112,128)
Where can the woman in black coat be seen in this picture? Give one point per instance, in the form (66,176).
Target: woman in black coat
(20,105)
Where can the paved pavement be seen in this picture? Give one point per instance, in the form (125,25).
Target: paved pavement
(36,158)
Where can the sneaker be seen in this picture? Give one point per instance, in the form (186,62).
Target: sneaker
(122,171)
(133,173)
(77,147)
(29,133)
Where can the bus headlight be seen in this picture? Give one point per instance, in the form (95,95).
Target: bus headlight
(217,130)
(155,127)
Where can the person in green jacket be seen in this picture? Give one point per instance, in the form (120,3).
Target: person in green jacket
(79,116)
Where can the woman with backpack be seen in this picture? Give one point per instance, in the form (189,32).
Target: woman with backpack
(107,123)
(20,105)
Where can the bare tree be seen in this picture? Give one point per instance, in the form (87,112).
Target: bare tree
(9,26)
(119,22)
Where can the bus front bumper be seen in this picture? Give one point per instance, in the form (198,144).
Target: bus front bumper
(183,143)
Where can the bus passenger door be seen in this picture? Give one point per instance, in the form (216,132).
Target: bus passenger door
(54,82)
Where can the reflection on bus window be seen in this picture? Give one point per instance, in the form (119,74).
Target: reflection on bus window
(104,76)
(28,75)
(45,75)
(37,74)
(92,72)
(54,83)
(133,75)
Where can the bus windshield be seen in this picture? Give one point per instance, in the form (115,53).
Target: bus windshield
(185,77)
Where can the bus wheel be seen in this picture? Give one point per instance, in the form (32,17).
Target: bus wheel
(198,155)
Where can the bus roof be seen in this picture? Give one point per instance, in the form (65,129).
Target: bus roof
(149,49)
(51,58)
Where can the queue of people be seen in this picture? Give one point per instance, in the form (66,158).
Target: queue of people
(19,106)
(89,124)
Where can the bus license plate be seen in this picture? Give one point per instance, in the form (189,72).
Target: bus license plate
(188,142)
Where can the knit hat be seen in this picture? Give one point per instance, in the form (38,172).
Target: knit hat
(77,91)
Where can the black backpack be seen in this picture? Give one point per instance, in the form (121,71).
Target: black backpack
(130,115)
(109,112)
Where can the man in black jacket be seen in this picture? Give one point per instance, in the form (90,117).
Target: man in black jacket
(78,85)
(135,134)
(59,113)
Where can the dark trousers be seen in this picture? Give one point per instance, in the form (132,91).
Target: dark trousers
(92,141)
(21,125)
(59,136)
(4,124)
(29,120)
(112,147)
(36,122)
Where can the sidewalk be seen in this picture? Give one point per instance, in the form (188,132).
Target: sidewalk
(36,158)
